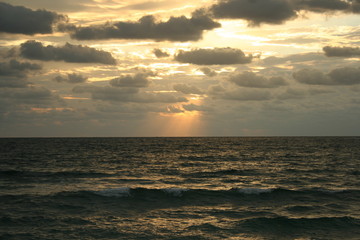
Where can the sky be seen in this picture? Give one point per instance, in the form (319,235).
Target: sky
(121,68)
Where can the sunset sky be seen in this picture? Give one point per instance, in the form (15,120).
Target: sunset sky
(123,68)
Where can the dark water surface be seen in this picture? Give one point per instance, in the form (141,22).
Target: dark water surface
(180,188)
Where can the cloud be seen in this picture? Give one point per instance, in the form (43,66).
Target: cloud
(255,12)
(277,11)
(338,76)
(27,96)
(127,95)
(341,51)
(68,53)
(175,29)
(160,53)
(193,107)
(239,94)
(215,56)
(208,72)
(139,80)
(71,78)
(250,79)
(294,58)
(186,89)
(18,19)
(14,68)
(322,6)
(174,109)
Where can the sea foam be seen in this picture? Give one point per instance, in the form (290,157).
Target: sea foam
(114,192)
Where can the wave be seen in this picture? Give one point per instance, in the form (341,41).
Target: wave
(13,174)
(126,192)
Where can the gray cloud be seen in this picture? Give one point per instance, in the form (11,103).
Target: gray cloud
(71,78)
(294,58)
(174,109)
(186,89)
(160,53)
(193,107)
(68,53)
(323,5)
(208,72)
(215,56)
(175,29)
(14,68)
(13,97)
(341,51)
(239,94)
(277,11)
(338,76)
(250,79)
(247,95)
(139,80)
(127,95)
(18,19)
(11,82)
(256,12)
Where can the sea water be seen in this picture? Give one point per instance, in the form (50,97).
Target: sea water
(180,188)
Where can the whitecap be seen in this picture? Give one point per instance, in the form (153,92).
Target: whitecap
(177,192)
(254,190)
(114,192)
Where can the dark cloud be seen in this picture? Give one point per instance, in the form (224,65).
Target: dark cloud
(113,94)
(186,89)
(68,53)
(27,96)
(14,68)
(341,51)
(257,12)
(18,19)
(208,72)
(250,79)
(139,80)
(160,53)
(322,6)
(175,29)
(338,76)
(71,78)
(11,82)
(215,56)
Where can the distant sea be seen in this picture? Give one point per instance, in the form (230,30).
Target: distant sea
(180,188)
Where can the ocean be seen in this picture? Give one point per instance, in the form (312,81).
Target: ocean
(180,188)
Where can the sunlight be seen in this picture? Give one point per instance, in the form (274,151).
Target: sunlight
(182,124)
